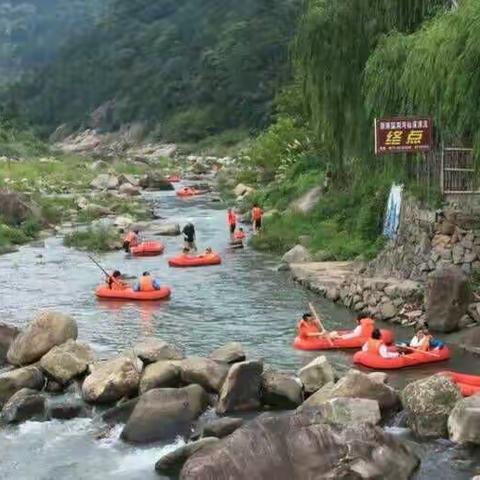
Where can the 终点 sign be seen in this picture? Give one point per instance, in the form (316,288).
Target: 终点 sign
(403,135)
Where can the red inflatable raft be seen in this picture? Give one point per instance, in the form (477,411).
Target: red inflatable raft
(409,360)
(174,178)
(468,384)
(195,261)
(128,294)
(147,249)
(321,343)
(189,192)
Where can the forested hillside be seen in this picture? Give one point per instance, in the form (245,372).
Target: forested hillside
(32,31)
(184,68)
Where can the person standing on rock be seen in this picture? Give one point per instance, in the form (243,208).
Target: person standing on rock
(131,240)
(257,215)
(189,237)
(232,222)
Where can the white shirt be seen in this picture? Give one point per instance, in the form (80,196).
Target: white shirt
(415,342)
(383,351)
(357,332)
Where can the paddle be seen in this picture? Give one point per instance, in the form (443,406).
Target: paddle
(103,270)
(418,350)
(315,314)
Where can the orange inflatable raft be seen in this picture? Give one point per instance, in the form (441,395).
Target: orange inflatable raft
(468,384)
(129,294)
(321,343)
(189,192)
(147,249)
(174,178)
(409,360)
(195,261)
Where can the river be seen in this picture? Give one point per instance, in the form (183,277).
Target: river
(245,299)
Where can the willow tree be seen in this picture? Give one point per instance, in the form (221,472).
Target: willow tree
(334,43)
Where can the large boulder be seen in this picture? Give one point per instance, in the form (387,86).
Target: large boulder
(207,373)
(45,331)
(428,403)
(164,413)
(280,390)
(241,390)
(448,297)
(16,208)
(316,374)
(321,396)
(167,229)
(464,421)
(67,361)
(155,181)
(7,336)
(129,190)
(153,350)
(297,254)
(66,409)
(23,405)
(171,463)
(120,413)
(351,410)
(14,380)
(222,427)
(231,352)
(111,380)
(299,447)
(242,190)
(105,181)
(160,374)
(471,341)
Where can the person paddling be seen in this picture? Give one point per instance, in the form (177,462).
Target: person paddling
(309,327)
(232,222)
(115,282)
(257,215)
(375,346)
(131,240)
(147,283)
(189,236)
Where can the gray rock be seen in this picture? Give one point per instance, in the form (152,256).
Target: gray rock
(280,390)
(66,410)
(204,371)
(388,310)
(471,341)
(457,254)
(298,254)
(316,374)
(348,411)
(241,390)
(171,463)
(464,421)
(318,398)
(222,427)
(153,350)
(299,447)
(47,330)
(111,380)
(231,352)
(428,403)
(129,190)
(7,336)
(167,229)
(105,181)
(23,405)
(448,297)
(161,374)
(155,181)
(120,413)
(164,413)
(14,380)
(67,361)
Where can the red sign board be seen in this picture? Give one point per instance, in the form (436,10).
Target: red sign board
(403,135)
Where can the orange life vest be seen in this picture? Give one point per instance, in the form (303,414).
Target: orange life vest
(131,238)
(257,213)
(368,326)
(304,328)
(116,283)
(373,346)
(232,218)
(146,284)
(239,235)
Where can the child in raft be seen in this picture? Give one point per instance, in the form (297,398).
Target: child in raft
(147,283)
(375,346)
(309,327)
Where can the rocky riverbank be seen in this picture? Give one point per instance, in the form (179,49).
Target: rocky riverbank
(158,393)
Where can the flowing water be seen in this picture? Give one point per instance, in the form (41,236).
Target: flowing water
(245,299)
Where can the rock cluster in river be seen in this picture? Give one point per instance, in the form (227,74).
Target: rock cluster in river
(159,394)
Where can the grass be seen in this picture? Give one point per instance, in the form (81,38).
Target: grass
(18,235)
(95,239)
(227,143)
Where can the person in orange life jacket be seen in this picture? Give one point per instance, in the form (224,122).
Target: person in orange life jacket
(131,240)
(375,346)
(424,341)
(232,222)
(309,327)
(364,329)
(147,283)
(239,235)
(115,282)
(257,214)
